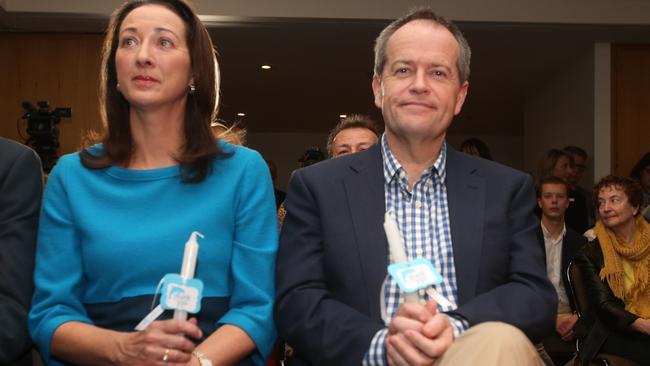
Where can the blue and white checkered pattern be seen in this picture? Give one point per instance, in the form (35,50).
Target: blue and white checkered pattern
(422,215)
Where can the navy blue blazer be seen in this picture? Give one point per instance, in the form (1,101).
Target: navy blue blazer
(21,187)
(333,254)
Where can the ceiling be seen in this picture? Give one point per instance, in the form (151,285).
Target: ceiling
(322,68)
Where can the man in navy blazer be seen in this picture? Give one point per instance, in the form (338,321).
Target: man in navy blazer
(21,186)
(332,263)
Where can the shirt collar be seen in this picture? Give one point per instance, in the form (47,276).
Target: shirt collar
(547,234)
(392,167)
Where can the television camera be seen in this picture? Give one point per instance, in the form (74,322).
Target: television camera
(43,130)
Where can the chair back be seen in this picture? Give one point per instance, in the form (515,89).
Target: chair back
(581,300)
(578,289)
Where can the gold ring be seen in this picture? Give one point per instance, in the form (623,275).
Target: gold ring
(166,355)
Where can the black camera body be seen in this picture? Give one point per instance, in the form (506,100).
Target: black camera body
(43,130)
(311,156)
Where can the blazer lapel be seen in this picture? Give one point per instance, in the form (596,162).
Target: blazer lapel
(540,239)
(365,194)
(466,199)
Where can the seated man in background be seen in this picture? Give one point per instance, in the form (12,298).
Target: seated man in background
(21,186)
(470,218)
(560,244)
(352,134)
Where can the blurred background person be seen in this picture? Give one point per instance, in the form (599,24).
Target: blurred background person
(311,156)
(641,173)
(476,147)
(616,271)
(352,134)
(234,134)
(116,216)
(559,163)
(580,158)
(21,187)
(279,194)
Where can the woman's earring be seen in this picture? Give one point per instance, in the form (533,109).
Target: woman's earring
(117,86)
(192,89)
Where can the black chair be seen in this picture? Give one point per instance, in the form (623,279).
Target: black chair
(581,300)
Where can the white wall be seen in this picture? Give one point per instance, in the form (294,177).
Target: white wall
(559,111)
(602,111)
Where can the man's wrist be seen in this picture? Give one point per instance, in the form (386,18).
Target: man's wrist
(458,325)
(376,354)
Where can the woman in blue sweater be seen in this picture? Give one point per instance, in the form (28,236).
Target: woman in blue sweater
(116,216)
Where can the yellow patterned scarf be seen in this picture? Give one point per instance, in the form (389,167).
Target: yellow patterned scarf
(637,254)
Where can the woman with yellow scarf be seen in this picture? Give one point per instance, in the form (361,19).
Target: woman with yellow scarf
(616,271)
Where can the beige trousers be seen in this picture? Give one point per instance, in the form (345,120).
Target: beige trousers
(491,343)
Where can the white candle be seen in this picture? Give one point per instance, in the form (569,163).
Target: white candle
(396,249)
(188,267)
(189,258)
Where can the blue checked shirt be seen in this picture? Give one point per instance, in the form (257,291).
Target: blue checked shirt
(423,219)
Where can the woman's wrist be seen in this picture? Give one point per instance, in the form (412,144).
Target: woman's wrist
(87,344)
(194,361)
(199,359)
(118,350)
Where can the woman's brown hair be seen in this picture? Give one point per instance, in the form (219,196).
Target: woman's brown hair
(199,148)
(631,188)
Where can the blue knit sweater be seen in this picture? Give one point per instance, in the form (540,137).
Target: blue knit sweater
(107,236)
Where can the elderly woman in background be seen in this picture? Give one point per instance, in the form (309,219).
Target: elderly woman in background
(116,216)
(616,269)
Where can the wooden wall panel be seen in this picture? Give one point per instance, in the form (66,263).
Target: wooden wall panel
(630,105)
(60,68)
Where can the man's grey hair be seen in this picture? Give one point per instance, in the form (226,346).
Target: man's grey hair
(424,13)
